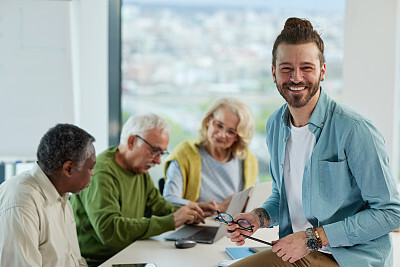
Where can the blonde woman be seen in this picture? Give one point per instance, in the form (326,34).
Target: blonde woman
(207,172)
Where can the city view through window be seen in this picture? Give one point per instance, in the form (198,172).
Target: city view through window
(179,56)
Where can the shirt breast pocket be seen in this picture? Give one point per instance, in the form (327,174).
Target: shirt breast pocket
(334,180)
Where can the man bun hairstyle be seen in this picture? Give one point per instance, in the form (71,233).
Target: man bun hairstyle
(298,31)
(62,143)
(296,22)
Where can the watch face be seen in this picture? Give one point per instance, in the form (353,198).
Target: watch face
(312,244)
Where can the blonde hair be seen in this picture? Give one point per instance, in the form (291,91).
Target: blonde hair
(245,127)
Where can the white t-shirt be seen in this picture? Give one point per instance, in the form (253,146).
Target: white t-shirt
(299,148)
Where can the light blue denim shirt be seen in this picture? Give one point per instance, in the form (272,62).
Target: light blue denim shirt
(348,187)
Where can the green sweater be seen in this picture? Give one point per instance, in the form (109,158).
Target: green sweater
(118,208)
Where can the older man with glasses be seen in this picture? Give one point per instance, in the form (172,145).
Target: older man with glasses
(122,204)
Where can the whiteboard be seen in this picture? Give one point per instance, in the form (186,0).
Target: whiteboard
(35,73)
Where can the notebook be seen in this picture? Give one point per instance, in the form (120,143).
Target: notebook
(238,252)
(210,234)
(242,252)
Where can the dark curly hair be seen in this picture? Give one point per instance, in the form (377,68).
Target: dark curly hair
(298,31)
(62,143)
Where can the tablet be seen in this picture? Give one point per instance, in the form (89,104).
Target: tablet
(258,249)
(135,265)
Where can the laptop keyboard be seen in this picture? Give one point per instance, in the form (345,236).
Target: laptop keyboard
(207,233)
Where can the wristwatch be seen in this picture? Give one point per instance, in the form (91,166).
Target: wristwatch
(311,241)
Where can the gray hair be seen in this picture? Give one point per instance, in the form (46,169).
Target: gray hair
(141,123)
(63,142)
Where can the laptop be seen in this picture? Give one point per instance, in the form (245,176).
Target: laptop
(210,234)
(259,194)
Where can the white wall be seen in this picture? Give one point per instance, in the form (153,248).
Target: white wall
(35,73)
(53,69)
(78,33)
(90,68)
(372,66)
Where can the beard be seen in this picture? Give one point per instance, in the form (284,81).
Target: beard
(298,100)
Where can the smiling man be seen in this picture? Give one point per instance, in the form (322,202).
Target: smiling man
(122,204)
(334,196)
(37,226)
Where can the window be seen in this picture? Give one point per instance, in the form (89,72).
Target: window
(179,56)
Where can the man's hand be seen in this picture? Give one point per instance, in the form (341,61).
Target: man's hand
(209,208)
(292,247)
(188,215)
(235,234)
(224,205)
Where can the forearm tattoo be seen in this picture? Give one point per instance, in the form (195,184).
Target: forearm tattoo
(263,216)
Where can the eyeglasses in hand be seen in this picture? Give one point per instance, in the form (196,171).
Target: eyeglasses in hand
(243,225)
(228,219)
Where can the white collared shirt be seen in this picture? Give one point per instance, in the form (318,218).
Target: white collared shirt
(37,226)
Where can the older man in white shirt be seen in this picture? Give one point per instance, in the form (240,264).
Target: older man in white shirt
(37,226)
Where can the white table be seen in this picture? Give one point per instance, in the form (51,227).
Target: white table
(164,254)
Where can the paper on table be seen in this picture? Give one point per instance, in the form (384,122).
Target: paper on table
(226,262)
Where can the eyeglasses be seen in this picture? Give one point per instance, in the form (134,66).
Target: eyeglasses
(243,225)
(230,133)
(228,219)
(156,151)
